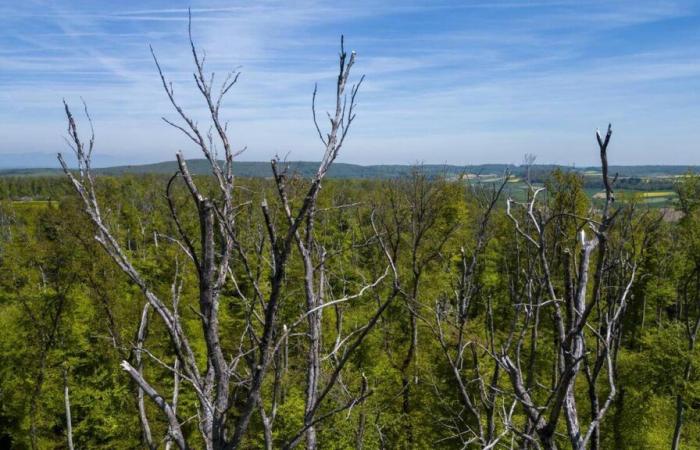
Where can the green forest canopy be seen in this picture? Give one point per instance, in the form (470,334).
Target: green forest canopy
(65,307)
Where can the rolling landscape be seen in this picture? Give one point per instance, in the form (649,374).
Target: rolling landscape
(653,186)
(483,232)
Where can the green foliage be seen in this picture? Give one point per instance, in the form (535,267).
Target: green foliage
(65,306)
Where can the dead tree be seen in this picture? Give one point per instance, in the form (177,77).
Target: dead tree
(138,351)
(416,226)
(475,423)
(691,325)
(48,333)
(315,261)
(224,378)
(584,327)
(66,402)
(688,292)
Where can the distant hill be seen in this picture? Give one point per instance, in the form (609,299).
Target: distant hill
(306,169)
(38,160)
(343,170)
(260,169)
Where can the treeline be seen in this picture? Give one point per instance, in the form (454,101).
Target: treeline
(34,188)
(470,294)
(629,177)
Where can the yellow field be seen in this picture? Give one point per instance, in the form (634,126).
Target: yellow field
(658,194)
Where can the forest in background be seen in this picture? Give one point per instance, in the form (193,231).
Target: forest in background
(69,316)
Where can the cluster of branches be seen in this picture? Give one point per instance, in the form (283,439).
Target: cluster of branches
(558,255)
(229,385)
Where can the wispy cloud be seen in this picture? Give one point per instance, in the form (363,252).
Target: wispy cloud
(447,81)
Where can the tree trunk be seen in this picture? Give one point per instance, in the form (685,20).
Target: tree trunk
(406,380)
(69,423)
(595,409)
(679,423)
(312,374)
(617,421)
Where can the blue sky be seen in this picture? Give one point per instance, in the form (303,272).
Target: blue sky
(458,82)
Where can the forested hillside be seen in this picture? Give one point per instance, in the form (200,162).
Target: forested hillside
(627,174)
(464,293)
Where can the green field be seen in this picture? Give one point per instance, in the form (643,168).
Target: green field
(517,189)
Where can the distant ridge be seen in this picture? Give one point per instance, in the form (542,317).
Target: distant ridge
(260,169)
(39,160)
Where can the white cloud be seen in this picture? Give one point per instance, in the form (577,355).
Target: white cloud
(491,83)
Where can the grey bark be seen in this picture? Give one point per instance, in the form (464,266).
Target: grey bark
(573,354)
(217,241)
(69,420)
